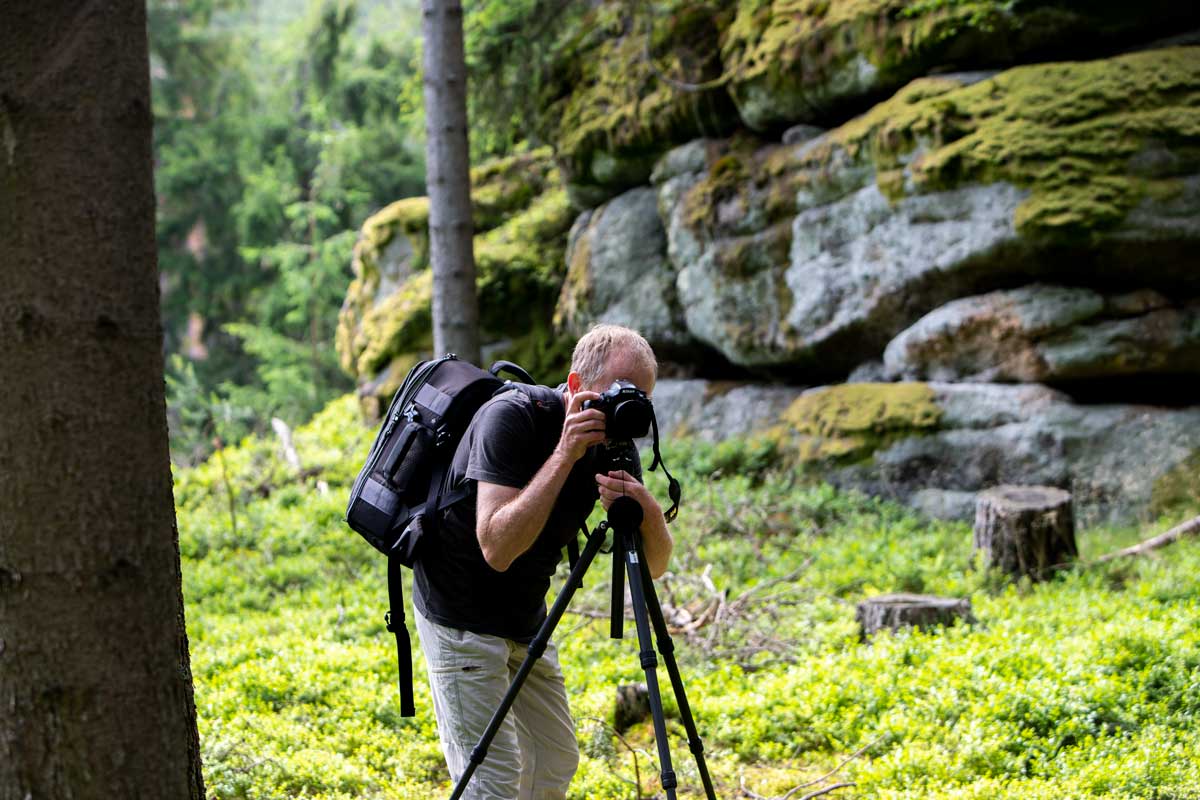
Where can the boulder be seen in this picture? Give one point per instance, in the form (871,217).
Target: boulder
(935,445)
(521,218)
(1042,333)
(809,258)
(808,61)
(618,272)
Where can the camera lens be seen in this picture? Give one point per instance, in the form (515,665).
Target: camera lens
(630,420)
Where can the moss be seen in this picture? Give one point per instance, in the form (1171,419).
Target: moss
(543,351)
(608,108)
(504,186)
(851,420)
(522,217)
(1177,489)
(576,288)
(1065,131)
(409,217)
(400,322)
(804,60)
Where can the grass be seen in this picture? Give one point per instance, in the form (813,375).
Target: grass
(1086,686)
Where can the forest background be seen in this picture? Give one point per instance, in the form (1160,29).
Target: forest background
(280,126)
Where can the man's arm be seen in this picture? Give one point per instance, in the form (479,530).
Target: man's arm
(656,539)
(508,520)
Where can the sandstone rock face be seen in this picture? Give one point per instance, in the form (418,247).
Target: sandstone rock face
(614,106)
(802,61)
(811,257)
(625,85)
(1045,333)
(618,272)
(933,446)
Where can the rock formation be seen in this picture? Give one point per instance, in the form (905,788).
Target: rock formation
(995,204)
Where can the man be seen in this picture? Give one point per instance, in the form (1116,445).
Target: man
(480,584)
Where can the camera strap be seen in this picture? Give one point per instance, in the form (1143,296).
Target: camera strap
(674,489)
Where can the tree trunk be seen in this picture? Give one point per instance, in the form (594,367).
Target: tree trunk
(895,611)
(448,179)
(95,683)
(1025,530)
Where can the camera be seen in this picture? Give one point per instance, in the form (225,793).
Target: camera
(627,411)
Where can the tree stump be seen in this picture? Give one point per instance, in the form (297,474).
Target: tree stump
(1025,530)
(633,706)
(896,611)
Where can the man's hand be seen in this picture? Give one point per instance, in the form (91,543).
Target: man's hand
(655,538)
(582,428)
(618,484)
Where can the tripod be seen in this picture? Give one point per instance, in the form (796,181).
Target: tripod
(624,518)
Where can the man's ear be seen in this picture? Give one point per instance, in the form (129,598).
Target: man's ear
(574,382)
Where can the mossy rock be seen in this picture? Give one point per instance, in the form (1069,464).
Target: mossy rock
(522,217)
(812,60)
(612,100)
(504,186)
(1069,132)
(849,421)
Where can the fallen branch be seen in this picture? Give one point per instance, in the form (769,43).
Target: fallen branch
(1192,526)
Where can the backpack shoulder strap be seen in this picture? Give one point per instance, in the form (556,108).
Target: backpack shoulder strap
(396,625)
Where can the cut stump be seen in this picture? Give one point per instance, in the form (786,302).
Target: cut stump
(896,611)
(1025,530)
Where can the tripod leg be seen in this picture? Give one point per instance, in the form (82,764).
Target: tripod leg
(635,567)
(666,647)
(536,649)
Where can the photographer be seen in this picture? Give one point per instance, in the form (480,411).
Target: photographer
(480,585)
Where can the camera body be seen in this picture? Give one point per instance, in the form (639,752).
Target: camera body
(627,411)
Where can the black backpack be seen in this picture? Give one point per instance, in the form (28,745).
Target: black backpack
(398,496)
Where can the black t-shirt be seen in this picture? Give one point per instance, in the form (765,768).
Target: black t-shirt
(506,443)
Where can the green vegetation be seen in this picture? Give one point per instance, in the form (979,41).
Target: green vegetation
(1087,686)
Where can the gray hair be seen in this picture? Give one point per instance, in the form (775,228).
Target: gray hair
(602,343)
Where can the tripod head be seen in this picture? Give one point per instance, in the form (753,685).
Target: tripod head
(625,514)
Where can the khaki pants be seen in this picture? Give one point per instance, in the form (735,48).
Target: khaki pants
(534,755)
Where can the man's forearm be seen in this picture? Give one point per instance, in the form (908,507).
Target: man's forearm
(657,544)
(514,527)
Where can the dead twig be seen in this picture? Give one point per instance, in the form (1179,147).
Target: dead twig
(1191,527)
(826,790)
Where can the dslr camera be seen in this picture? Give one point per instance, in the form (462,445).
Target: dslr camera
(627,416)
(627,411)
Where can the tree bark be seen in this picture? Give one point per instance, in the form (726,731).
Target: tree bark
(896,611)
(1025,530)
(95,683)
(448,180)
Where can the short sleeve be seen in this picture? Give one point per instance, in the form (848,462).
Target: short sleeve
(504,447)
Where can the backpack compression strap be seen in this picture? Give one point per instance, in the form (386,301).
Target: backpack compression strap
(395,624)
